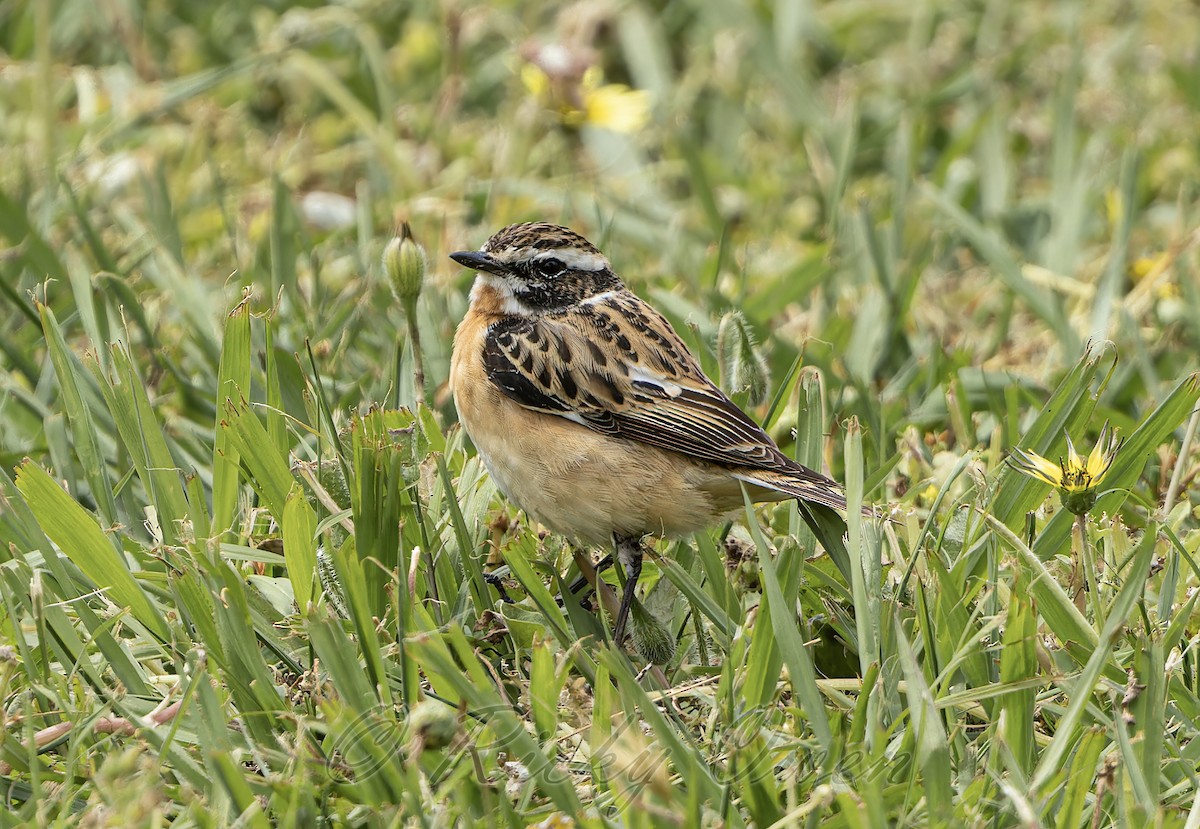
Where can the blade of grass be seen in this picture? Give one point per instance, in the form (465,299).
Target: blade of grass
(83,429)
(863,555)
(789,645)
(1065,733)
(1069,810)
(78,535)
(299,524)
(932,748)
(233,385)
(481,697)
(136,421)
(1018,661)
(270,475)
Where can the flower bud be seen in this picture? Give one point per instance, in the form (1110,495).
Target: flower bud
(650,636)
(404,264)
(743,368)
(331,585)
(433,725)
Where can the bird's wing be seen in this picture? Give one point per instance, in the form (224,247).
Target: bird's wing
(616,366)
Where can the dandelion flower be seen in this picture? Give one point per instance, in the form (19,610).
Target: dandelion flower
(1076,478)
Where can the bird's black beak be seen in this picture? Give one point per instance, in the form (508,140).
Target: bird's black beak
(477,260)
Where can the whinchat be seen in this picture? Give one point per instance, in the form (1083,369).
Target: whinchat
(593,416)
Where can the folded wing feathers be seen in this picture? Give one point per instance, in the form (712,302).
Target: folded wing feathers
(614,390)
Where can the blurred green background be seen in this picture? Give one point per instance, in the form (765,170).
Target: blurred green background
(891,190)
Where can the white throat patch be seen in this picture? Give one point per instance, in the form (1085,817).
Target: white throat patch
(509,304)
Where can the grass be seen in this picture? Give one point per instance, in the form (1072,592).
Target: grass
(247,579)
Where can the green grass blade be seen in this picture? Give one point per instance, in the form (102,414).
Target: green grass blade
(789,645)
(932,747)
(246,809)
(77,534)
(862,555)
(1018,661)
(536,590)
(436,659)
(468,559)
(1065,732)
(233,387)
(545,685)
(349,568)
(1072,808)
(140,430)
(270,475)
(299,526)
(1149,713)
(83,428)
(700,597)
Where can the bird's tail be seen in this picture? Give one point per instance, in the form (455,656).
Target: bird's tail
(819,499)
(802,483)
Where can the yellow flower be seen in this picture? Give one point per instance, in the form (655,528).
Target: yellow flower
(1149,266)
(588,100)
(1075,477)
(614,106)
(536,81)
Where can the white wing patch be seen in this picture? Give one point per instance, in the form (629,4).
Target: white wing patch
(639,374)
(600,297)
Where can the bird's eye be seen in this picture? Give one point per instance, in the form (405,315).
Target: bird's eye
(549,267)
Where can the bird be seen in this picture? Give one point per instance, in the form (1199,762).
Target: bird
(592,415)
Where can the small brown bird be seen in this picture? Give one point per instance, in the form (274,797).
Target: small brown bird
(592,415)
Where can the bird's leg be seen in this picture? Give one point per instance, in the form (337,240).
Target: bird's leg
(606,597)
(599,566)
(497,582)
(629,553)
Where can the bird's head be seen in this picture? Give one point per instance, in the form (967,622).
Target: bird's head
(538,267)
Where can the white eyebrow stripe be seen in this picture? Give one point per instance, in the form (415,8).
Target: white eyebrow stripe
(580,260)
